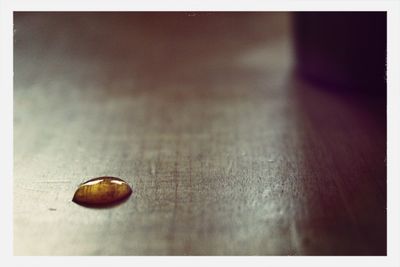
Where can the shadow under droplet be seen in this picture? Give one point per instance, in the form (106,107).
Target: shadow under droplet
(103,206)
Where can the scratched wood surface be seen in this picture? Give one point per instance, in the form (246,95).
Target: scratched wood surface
(227,152)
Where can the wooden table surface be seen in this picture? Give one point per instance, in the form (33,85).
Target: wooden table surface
(227,152)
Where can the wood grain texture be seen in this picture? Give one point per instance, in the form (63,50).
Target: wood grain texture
(226,151)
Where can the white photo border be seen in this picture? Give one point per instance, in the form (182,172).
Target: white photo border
(7,7)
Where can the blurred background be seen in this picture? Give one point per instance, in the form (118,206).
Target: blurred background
(241,133)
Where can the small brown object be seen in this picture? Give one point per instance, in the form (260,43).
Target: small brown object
(102,191)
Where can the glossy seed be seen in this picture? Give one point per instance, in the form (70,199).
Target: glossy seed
(102,191)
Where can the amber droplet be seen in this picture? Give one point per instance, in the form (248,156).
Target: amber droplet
(102,191)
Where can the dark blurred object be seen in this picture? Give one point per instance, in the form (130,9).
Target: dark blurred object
(345,50)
